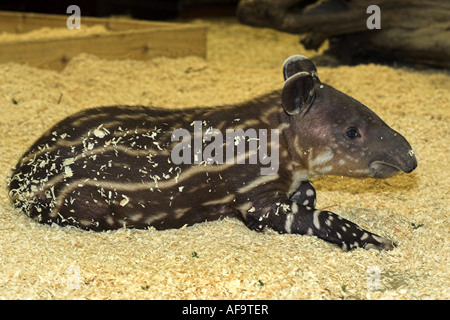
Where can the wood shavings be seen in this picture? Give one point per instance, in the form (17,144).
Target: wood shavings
(42,262)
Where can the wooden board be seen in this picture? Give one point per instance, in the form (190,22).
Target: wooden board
(125,39)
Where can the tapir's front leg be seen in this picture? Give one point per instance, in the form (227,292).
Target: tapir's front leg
(304,195)
(286,216)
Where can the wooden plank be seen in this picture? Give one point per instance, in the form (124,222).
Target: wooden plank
(19,22)
(127,39)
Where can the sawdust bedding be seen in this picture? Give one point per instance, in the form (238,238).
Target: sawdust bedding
(223,259)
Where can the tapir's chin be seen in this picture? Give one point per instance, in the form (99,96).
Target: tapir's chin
(381,169)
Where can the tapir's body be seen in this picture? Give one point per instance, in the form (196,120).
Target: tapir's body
(114,167)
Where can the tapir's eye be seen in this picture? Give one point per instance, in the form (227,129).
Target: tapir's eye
(352,133)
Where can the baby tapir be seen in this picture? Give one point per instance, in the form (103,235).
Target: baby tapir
(139,167)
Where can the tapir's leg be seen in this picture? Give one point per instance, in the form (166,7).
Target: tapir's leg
(335,229)
(285,216)
(305,195)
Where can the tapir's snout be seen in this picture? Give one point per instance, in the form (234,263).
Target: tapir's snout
(395,155)
(412,163)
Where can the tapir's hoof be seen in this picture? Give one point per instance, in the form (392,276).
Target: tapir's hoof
(381,244)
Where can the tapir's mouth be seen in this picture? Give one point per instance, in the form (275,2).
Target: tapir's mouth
(391,165)
(381,169)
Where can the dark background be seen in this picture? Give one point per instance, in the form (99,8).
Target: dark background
(140,9)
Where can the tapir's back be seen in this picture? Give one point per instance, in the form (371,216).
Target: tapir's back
(112,167)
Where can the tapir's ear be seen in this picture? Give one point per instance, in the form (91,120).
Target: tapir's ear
(298,93)
(296,64)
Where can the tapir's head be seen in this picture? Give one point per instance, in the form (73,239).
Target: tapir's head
(336,134)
